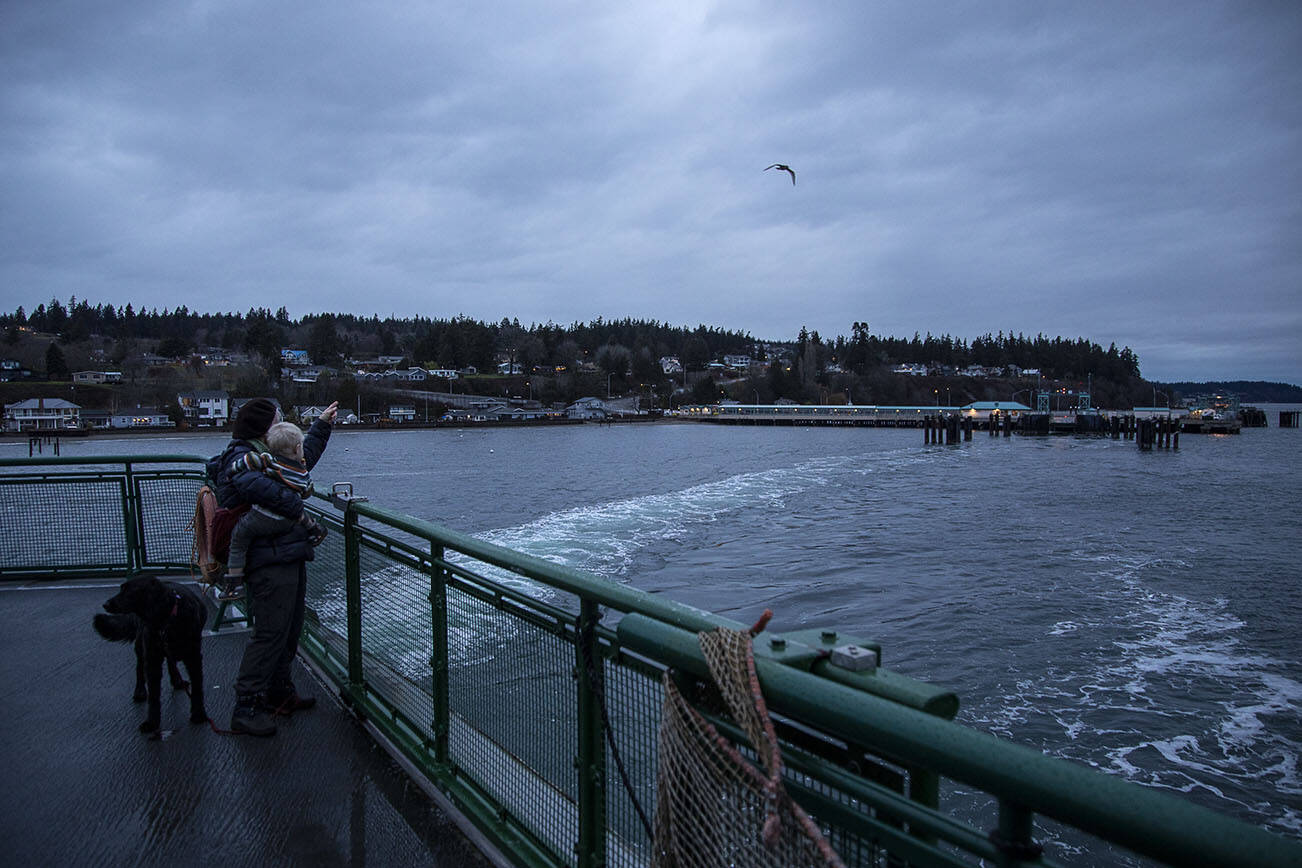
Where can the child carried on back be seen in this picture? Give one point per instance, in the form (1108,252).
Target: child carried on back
(284,463)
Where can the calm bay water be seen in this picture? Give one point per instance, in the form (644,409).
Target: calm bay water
(1138,612)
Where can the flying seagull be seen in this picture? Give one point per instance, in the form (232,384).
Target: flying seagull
(786,169)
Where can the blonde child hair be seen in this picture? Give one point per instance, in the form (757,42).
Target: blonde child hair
(286,440)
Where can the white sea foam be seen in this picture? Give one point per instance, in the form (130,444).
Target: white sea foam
(604,538)
(1198,710)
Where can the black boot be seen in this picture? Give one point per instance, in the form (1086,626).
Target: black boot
(251,717)
(286,700)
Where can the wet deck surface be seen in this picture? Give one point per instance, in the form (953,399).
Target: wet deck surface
(81,786)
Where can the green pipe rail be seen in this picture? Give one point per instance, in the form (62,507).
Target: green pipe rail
(504,680)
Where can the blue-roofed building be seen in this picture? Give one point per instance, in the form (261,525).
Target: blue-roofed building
(983,410)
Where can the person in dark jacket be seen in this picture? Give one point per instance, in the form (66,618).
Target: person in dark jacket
(275,567)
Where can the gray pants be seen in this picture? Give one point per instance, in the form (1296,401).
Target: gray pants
(277,595)
(252,524)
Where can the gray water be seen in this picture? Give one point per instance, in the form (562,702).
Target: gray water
(1135,611)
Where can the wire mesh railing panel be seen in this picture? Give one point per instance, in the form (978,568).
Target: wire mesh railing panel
(73,521)
(397,637)
(514,719)
(633,700)
(327,603)
(166,512)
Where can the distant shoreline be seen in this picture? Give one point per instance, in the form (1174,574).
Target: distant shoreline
(337,428)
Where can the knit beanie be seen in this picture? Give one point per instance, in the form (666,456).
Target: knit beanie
(253,419)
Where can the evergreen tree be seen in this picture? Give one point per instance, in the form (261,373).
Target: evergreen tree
(56,368)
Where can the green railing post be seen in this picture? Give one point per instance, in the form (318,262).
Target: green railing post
(132,521)
(924,788)
(438,599)
(353,594)
(1013,837)
(591,759)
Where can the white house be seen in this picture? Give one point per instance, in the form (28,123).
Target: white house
(587,408)
(739,363)
(42,414)
(295,357)
(508,368)
(205,407)
(445,373)
(310,413)
(140,417)
(671,365)
(913,370)
(402,412)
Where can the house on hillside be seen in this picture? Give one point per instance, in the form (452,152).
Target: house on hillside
(12,369)
(94,377)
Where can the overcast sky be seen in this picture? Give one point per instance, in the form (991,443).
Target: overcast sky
(1125,172)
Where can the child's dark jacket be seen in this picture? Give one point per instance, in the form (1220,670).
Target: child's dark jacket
(237,486)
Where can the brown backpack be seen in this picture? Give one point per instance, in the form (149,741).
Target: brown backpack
(203,551)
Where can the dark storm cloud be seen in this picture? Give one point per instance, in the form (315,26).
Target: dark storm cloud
(1126,172)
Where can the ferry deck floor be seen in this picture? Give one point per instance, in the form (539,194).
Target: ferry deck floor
(80,785)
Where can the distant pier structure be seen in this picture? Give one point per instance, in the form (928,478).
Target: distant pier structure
(1290,419)
(978,415)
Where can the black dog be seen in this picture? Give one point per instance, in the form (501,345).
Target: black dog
(166,621)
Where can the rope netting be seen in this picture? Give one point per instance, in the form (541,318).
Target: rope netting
(713,806)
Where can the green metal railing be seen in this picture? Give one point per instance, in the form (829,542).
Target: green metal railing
(503,679)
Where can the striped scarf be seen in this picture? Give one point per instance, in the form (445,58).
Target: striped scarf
(288,471)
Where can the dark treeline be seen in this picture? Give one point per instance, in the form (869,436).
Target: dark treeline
(1055,357)
(1248,390)
(559,363)
(635,345)
(329,338)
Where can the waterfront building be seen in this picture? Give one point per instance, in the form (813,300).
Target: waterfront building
(587,408)
(141,417)
(205,407)
(983,410)
(42,414)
